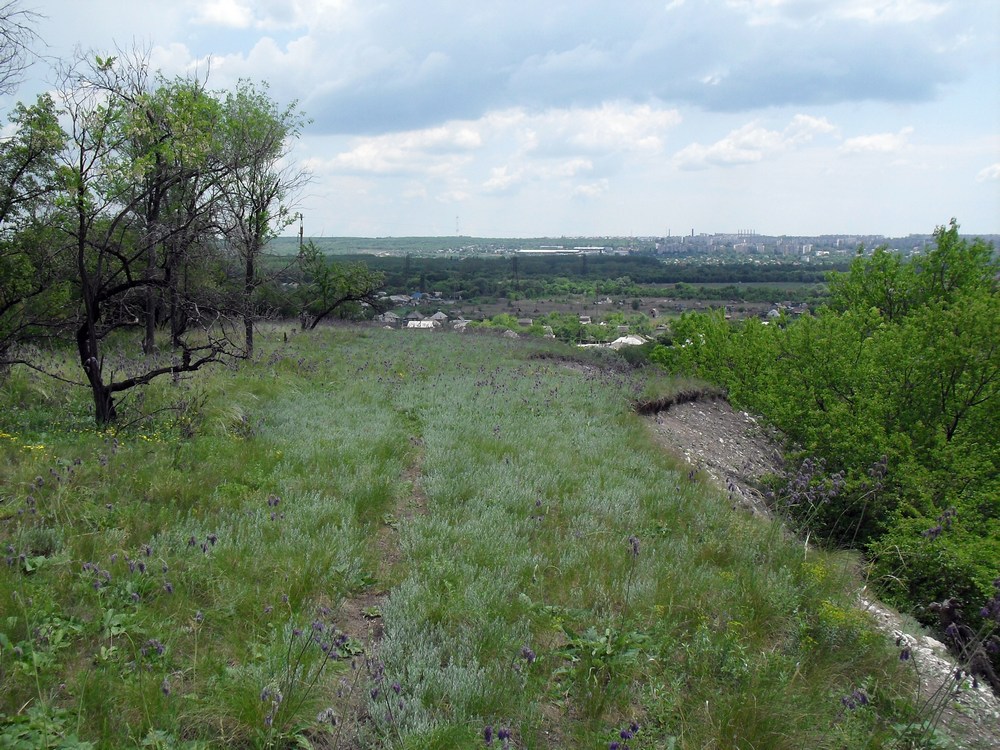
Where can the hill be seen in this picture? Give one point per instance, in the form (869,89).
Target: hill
(370,538)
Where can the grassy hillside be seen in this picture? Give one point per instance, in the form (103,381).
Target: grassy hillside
(389,539)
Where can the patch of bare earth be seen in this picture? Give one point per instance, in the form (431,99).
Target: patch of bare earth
(731,447)
(736,451)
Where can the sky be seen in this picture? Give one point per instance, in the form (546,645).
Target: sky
(511,118)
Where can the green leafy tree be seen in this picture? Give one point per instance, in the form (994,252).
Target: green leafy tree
(896,386)
(33,286)
(256,196)
(170,164)
(331,286)
(883,282)
(109,177)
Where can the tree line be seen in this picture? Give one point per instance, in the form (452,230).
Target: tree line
(538,276)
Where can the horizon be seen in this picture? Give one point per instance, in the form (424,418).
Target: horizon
(736,233)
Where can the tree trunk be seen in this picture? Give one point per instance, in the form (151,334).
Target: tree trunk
(248,301)
(86,335)
(149,340)
(177,322)
(104,404)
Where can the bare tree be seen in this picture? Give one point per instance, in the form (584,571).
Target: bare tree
(17,34)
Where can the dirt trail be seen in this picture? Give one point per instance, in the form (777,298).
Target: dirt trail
(360,615)
(356,612)
(736,451)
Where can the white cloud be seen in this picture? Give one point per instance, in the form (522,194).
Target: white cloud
(890,11)
(813,12)
(591,189)
(884,143)
(232,13)
(265,15)
(571,168)
(550,144)
(617,127)
(752,143)
(429,151)
(171,58)
(503,180)
(607,129)
(803,128)
(989,174)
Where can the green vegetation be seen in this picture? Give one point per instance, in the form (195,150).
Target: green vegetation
(151,211)
(554,276)
(359,538)
(893,391)
(457,537)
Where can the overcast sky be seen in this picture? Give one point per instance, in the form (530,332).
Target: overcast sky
(604,117)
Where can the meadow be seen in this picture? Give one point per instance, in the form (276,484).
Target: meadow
(400,539)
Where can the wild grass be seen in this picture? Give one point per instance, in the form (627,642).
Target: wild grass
(554,575)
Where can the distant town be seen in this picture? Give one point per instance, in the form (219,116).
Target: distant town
(720,246)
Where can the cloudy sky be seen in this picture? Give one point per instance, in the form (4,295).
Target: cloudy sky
(604,117)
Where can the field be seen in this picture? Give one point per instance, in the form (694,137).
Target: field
(390,539)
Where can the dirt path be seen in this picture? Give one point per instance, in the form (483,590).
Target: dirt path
(360,616)
(736,451)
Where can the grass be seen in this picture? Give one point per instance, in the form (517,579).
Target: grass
(551,574)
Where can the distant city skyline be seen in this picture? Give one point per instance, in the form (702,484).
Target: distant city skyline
(875,117)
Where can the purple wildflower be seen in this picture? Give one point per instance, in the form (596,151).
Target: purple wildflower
(633,542)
